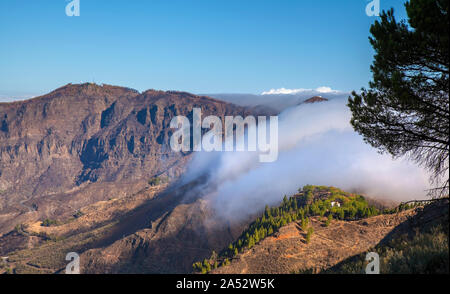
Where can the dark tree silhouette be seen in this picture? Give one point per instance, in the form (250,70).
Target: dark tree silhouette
(406,110)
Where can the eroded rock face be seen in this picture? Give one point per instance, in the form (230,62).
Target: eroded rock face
(84,143)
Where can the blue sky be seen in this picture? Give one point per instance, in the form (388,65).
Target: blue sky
(200,46)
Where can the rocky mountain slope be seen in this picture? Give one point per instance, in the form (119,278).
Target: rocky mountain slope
(86,143)
(156,230)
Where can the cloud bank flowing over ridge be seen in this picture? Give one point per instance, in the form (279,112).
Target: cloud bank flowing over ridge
(317,145)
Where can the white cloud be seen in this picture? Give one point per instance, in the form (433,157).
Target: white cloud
(325,90)
(12,98)
(318,146)
(300,90)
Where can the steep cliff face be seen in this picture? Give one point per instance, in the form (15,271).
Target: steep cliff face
(43,139)
(83,143)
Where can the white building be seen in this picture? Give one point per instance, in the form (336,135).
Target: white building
(335,203)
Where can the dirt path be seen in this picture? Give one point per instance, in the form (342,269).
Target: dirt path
(29,208)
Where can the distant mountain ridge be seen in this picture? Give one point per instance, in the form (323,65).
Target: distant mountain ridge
(277,102)
(315,99)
